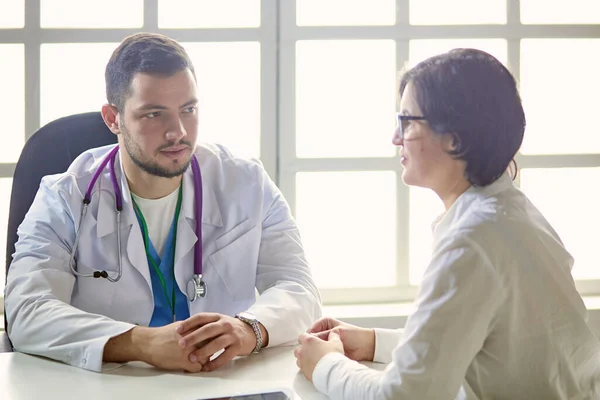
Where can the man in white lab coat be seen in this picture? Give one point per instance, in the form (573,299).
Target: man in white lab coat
(141,304)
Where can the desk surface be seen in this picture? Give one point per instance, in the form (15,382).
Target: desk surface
(27,377)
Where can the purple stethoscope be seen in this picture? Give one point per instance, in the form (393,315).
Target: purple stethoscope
(196,287)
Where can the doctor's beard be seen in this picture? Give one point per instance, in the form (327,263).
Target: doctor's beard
(148,166)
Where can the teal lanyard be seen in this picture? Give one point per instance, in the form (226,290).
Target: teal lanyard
(170,301)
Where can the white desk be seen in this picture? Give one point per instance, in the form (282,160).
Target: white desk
(24,377)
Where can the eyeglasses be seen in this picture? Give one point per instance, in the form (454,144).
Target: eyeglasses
(403,121)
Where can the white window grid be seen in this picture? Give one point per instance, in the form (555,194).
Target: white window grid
(33,36)
(277,35)
(402,32)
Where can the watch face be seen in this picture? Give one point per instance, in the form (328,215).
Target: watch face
(247,316)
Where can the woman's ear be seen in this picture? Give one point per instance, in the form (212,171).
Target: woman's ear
(450,142)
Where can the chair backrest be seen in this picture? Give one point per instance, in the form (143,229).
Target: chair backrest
(50,150)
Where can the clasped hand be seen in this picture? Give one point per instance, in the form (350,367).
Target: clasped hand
(190,344)
(329,335)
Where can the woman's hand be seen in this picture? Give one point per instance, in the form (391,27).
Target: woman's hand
(359,343)
(312,349)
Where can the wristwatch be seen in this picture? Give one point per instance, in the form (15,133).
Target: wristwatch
(251,320)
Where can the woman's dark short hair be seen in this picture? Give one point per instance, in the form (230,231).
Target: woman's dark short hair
(469,94)
(143,52)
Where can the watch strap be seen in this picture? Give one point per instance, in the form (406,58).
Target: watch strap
(256,328)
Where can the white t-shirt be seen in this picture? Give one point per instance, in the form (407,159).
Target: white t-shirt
(159,214)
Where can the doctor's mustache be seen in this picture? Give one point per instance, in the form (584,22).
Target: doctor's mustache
(173,144)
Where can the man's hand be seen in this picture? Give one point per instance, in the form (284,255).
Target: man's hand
(156,346)
(210,333)
(312,349)
(359,343)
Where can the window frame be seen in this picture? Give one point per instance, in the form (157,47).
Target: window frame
(33,36)
(277,35)
(402,32)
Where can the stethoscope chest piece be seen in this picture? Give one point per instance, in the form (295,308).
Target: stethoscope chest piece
(196,288)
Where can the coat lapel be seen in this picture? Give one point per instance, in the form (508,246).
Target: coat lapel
(186,226)
(131,234)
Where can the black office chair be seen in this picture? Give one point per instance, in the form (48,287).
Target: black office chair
(50,150)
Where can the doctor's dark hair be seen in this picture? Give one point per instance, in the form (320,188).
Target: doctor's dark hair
(470,95)
(149,53)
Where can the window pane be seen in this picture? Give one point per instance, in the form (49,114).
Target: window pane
(425,207)
(355,12)
(229,96)
(92,14)
(72,78)
(457,12)
(12,103)
(208,13)
(5,190)
(425,48)
(560,11)
(349,234)
(345,98)
(569,200)
(560,85)
(13,13)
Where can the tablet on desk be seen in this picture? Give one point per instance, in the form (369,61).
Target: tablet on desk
(277,395)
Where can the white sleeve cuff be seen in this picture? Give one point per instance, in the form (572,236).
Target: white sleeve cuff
(91,358)
(386,340)
(323,370)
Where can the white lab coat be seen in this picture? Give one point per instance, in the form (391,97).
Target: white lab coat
(250,240)
(497,308)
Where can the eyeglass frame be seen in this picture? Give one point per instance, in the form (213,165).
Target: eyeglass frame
(402,119)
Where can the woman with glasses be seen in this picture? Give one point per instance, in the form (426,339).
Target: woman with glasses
(497,315)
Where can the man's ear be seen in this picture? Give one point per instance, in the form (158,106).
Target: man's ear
(110,115)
